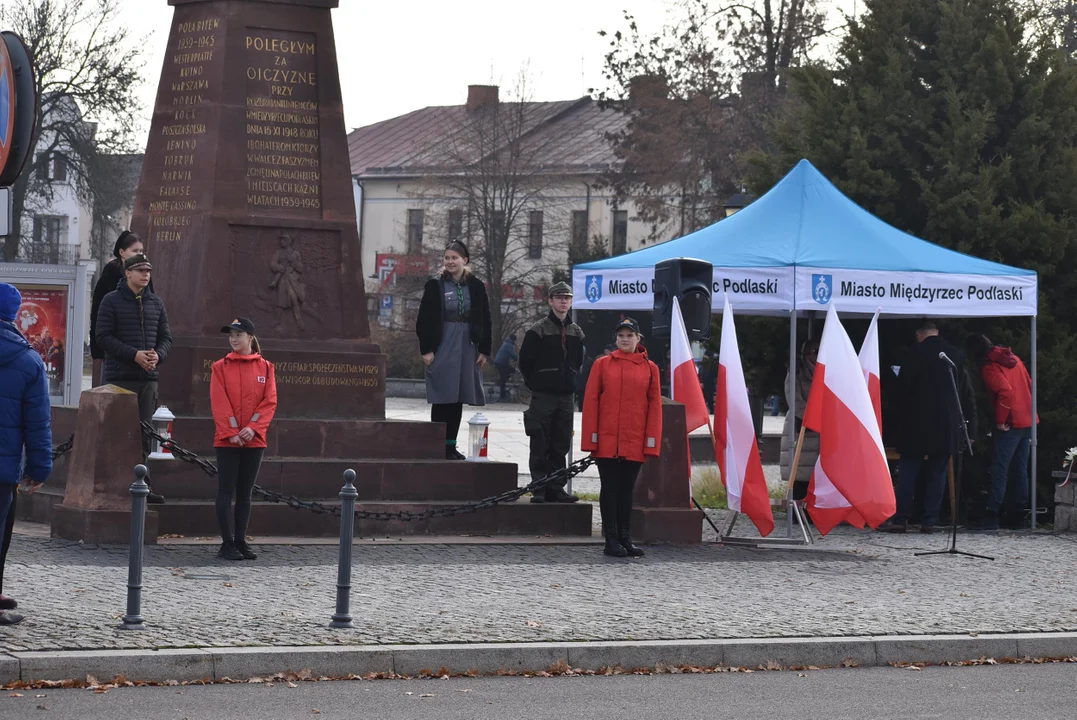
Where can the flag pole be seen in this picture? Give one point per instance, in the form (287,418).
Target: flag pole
(795,466)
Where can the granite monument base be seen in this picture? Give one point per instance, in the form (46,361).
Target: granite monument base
(334,380)
(663,511)
(97,500)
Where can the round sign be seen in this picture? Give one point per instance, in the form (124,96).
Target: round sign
(7,105)
(23,110)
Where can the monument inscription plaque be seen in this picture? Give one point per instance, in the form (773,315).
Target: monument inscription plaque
(246,205)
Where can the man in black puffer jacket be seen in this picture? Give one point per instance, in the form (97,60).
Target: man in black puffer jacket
(132,329)
(550,360)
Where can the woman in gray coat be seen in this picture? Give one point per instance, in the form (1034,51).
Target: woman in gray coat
(455,333)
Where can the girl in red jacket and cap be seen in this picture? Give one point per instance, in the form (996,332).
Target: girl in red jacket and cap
(622,426)
(243,394)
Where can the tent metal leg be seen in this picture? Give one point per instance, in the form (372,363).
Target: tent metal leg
(1035,443)
(568,489)
(792,395)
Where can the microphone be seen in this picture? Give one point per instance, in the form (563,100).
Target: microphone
(944,356)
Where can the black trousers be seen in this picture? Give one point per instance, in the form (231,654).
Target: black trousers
(618,478)
(504,372)
(450,414)
(9,527)
(147,405)
(548,424)
(238,471)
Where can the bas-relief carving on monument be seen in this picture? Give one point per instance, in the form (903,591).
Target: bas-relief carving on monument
(286,278)
(287,267)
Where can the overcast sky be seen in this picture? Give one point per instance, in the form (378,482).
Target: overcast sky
(400,55)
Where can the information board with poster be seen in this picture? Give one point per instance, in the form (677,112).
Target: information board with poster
(42,320)
(54,317)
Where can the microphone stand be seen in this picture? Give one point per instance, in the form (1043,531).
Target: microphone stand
(955,488)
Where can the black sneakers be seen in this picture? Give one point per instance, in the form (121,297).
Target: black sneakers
(451,453)
(10,618)
(229,551)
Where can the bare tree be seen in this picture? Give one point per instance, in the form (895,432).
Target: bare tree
(699,93)
(86,69)
(494,167)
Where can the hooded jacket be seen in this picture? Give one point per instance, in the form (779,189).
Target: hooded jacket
(242,393)
(127,323)
(1010,387)
(24,410)
(111,275)
(622,407)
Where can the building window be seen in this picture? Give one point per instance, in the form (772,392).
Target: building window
(54,166)
(415,231)
(497,232)
(579,230)
(620,232)
(49,240)
(534,235)
(456,224)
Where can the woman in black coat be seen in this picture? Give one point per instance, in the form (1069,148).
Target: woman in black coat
(455,334)
(127,245)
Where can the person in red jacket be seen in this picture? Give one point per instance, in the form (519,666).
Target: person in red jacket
(622,427)
(1010,388)
(243,394)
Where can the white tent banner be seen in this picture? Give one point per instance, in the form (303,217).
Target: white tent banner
(916,293)
(749,289)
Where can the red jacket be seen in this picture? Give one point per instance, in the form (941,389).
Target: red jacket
(1010,386)
(622,407)
(243,393)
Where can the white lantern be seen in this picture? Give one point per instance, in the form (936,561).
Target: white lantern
(478,434)
(162,423)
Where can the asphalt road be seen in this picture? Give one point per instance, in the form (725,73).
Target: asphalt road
(1008,692)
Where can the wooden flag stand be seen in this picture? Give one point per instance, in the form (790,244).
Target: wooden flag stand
(792,509)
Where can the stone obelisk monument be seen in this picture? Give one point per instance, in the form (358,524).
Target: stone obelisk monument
(246,206)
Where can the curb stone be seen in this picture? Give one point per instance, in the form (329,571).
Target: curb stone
(242,663)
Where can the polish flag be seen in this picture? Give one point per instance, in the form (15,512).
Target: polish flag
(734,435)
(851,481)
(826,505)
(683,376)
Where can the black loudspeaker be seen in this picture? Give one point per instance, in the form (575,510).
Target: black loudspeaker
(690,281)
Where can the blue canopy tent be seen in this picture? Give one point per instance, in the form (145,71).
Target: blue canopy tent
(804,245)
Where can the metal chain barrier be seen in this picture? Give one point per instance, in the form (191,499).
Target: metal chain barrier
(294,502)
(63,448)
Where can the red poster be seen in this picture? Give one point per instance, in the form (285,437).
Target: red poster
(42,320)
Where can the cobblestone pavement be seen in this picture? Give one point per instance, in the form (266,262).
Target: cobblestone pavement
(852,583)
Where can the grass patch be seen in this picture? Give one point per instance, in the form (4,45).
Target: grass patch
(708,490)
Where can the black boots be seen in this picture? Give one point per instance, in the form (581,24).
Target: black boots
(229,551)
(245,550)
(613,547)
(616,524)
(624,523)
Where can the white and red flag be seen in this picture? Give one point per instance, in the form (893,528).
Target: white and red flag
(851,481)
(735,445)
(683,376)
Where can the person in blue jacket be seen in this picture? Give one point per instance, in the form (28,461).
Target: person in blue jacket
(25,425)
(503,361)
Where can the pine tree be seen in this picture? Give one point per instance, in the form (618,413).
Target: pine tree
(952,121)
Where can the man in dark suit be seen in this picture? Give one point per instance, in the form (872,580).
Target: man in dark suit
(929,424)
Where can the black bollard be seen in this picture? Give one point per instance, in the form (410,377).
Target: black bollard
(342,618)
(139,490)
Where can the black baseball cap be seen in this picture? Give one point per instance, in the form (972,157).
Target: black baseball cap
(628,323)
(240,324)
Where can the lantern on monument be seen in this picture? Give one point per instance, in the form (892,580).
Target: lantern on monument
(478,433)
(162,423)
